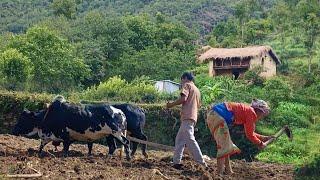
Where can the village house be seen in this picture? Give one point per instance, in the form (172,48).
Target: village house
(236,61)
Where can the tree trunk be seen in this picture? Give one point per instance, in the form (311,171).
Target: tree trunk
(242,34)
(309,64)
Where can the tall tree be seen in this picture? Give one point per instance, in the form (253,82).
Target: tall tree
(242,14)
(66,8)
(309,11)
(280,16)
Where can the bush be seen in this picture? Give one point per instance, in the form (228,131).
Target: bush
(117,89)
(292,114)
(277,90)
(12,104)
(221,88)
(15,67)
(311,169)
(304,146)
(254,77)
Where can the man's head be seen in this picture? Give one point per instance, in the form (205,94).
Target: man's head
(187,77)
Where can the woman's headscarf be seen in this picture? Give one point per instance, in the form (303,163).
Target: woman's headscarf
(261,105)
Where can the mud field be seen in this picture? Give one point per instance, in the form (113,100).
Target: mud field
(18,155)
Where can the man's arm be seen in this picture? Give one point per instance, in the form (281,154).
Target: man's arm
(179,101)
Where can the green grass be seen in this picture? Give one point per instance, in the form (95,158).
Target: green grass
(305,144)
(304,60)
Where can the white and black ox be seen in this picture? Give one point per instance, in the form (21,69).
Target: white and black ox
(136,119)
(66,122)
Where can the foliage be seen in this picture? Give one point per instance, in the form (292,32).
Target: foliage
(292,114)
(141,31)
(254,77)
(66,8)
(277,91)
(298,152)
(117,89)
(154,62)
(56,68)
(310,170)
(220,89)
(309,12)
(13,103)
(15,68)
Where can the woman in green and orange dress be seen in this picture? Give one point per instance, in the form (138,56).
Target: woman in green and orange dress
(222,115)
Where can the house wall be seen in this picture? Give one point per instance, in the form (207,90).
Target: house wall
(268,64)
(164,86)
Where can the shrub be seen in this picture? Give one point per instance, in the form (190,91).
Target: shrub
(117,89)
(140,90)
(105,90)
(254,77)
(311,169)
(221,88)
(277,90)
(293,114)
(13,103)
(15,67)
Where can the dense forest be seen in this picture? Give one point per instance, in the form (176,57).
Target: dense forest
(114,50)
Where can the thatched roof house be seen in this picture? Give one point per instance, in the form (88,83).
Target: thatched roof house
(236,61)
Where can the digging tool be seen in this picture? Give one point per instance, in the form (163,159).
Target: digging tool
(285,130)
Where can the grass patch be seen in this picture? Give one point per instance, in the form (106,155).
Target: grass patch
(301,150)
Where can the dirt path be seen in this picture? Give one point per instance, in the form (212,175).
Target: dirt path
(18,153)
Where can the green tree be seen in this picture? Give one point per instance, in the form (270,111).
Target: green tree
(115,39)
(257,30)
(226,34)
(242,13)
(4,40)
(88,32)
(66,8)
(56,68)
(280,16)
(277,90)
(141,31)
(92,25)
(166,32)
(15,67)
(101,41)
(156,63)
(309,11)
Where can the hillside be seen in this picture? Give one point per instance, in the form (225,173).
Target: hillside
(201,16)
(20,154)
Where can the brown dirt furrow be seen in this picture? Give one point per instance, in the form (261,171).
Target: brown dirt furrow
(17,154)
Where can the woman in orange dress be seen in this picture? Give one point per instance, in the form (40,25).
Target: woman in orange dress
(222,115)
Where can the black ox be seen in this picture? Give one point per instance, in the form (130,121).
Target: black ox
(66,122)
(29,123)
